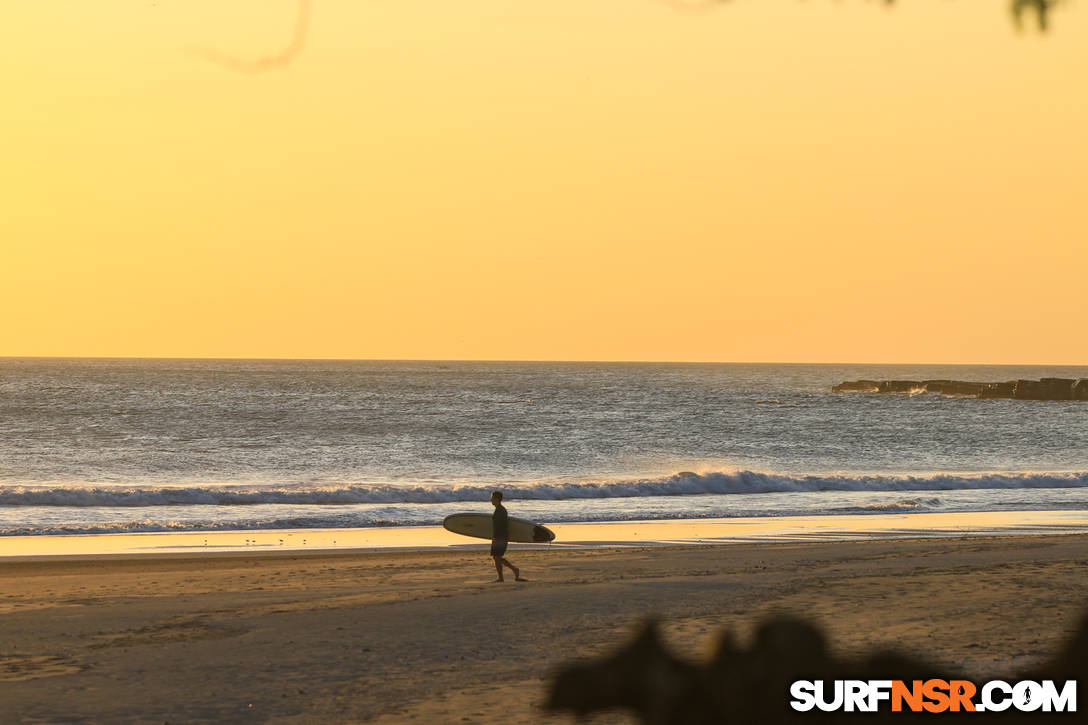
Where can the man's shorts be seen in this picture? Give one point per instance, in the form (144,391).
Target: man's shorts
(498,547)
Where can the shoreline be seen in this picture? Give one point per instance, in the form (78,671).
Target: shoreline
(621,534)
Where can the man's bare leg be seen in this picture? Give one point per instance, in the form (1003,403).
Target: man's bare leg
(517,572)
(498,568)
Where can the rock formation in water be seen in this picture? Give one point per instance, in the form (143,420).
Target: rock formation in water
(1044,389)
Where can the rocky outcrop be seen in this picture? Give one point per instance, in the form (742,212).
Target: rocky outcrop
(857,386)
(1058,388)
(964,389)
(1043,389)
(899,386)
(1028,390)
(998,390)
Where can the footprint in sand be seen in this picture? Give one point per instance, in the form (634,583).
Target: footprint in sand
(16,668)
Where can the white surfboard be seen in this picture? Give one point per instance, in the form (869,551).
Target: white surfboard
(479,526)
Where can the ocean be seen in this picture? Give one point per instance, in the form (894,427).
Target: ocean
(112,446)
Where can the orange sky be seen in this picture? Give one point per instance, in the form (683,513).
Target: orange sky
(607,180)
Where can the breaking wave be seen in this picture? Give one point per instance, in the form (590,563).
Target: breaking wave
(681,484)
(905,505)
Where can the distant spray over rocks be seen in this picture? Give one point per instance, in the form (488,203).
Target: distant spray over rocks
(1043,389)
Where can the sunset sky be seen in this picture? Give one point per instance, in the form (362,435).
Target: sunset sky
(560,180)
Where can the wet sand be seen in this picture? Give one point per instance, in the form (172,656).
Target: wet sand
(394,636)
(843,527)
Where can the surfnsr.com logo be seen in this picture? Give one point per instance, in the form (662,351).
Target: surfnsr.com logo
(933,696)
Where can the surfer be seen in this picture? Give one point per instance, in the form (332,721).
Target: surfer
(500,533)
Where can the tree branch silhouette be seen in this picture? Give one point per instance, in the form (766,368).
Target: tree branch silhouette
(270,62)
(1039,8)
(1019,9)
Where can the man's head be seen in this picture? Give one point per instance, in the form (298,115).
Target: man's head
(496,498)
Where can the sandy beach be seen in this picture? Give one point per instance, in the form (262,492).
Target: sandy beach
(396,636)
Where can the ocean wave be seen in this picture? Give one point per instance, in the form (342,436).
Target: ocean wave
(907,504)
(153,526)
(681,484)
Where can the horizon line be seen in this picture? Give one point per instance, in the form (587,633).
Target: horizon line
(530,360)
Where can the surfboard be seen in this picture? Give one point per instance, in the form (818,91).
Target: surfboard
(479,526)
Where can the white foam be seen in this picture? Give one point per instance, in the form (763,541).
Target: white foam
(686,484)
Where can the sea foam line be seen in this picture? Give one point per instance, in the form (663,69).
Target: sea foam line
(681,484)
(388,518)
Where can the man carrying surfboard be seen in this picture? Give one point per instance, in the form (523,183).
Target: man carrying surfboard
(500,535)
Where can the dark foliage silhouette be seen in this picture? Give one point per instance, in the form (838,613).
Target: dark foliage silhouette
(751,685)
